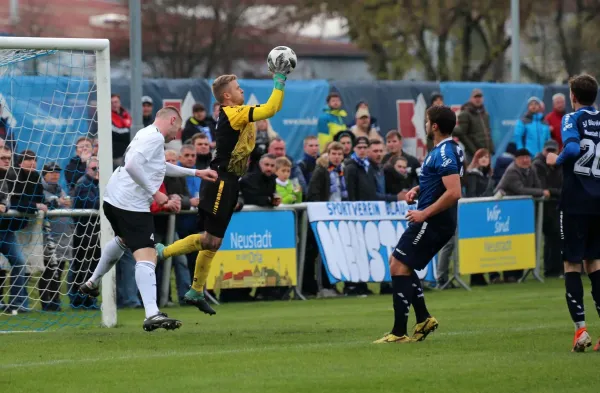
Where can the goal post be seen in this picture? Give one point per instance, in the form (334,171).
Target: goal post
(56,91)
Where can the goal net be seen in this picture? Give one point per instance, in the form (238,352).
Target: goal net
(50,226)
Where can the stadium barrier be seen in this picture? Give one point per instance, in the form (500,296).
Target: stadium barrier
(291,245)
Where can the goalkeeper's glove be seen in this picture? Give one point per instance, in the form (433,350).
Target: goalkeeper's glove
(282,65)
(279,80)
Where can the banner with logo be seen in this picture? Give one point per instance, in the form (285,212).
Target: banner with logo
(258,250)
(505,103)
(496,235)
(356,239)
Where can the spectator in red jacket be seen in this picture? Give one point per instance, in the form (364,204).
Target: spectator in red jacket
(554,118)
(121,128)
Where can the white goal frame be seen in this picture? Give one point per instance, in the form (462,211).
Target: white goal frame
(101,47)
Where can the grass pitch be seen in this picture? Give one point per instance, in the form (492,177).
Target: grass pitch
(504,338)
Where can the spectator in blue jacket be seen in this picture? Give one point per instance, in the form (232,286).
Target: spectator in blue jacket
(531,132)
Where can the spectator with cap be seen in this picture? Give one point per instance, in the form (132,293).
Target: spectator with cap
(554,118)
(332,120)
(364,105)
(363,125)
(473,129)
(57,234)
(347,140)
(199,122)
(147,111)
(551,178)
(531,132)
(520,179)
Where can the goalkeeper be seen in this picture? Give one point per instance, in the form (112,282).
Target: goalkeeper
(235,138)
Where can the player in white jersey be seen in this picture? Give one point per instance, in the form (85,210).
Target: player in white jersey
(129,194)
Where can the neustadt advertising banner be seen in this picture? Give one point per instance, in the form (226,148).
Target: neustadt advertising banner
(356,239)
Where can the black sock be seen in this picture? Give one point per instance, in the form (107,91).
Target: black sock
(418,300)
(595,279)
(403,294)
(574,288)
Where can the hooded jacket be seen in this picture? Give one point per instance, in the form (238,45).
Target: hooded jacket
(330,123)
(473,129)
(531,133)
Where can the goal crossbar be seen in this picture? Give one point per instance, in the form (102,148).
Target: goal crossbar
(90,44)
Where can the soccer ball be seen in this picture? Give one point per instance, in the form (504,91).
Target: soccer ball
(281,51)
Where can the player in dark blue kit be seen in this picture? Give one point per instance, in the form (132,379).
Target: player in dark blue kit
(580,202)
(431,226)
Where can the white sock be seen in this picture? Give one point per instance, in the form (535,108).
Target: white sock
(145,279)
(579,325)
(112,252)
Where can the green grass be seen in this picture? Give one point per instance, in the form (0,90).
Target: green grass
(504,338)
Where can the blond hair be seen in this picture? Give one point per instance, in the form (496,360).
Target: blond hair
(168,111)
(220,85)
(337,146)
(282,162)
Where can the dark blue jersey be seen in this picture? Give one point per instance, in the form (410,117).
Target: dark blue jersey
(580,159)
(444,159)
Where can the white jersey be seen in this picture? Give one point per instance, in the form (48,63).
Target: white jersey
(121,190)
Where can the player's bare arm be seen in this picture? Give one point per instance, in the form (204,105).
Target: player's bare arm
(448,199)
(412,194)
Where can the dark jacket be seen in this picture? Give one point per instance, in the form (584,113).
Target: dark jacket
(28,191)
(395,182)
(473,129)
(193,127)
(203,161)
(86,195)
(147,120)
(478,184)
(74,171)
(307,166)
(518,181)
(362,185)
(319,187)
(414,166)
(7,179)
(184,222)
(551,179)
(502,163)
(258,189)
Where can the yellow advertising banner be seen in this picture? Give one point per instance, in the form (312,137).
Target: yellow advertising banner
(496,254)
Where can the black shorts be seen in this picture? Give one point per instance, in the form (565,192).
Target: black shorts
(420,243)
(580,235)
(217,203)
(135,228)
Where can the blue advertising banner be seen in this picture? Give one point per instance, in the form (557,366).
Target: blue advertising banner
(496,235)
(259,249)
(356,239)
(46,114)
(506,103)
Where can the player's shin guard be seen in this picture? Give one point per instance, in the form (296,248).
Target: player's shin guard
(184,246)
(418,300)
(574,289)
(595,279)
(402,297)
(203,261)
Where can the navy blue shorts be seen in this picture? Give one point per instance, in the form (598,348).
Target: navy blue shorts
(580,236)
(420,243)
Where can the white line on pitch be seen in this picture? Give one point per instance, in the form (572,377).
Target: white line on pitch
(255,349)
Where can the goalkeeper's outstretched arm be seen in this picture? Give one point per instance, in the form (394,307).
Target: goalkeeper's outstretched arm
(274,103)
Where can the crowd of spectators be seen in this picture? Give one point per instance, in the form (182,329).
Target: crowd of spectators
(349,159)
